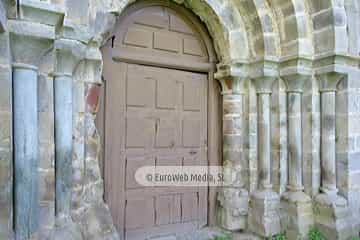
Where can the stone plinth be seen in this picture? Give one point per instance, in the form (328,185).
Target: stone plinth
(233,209)
(264,216)
(299,214)
(333,217)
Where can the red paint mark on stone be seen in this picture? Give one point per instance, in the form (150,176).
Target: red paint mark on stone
(92,98)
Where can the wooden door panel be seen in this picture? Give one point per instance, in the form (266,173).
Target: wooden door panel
(167,41)
(176,209)
(139,213)
(166,92)
(164,206)
(189,206)
(168,161)
(191,133)
(132,165)
(191,160)
(165,126)
(192,46)
(165,133)
(177,25)
(160,120)
(192,95)
(159,31)
(140,87)
(139,38)
(154,117)
(153,16)
(139,132)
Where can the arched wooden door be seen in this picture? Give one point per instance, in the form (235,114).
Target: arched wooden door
(156,71)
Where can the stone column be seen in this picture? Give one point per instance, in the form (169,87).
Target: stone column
(264,140)
(26,152)
(63,141)
(233,196)
(29,42)
(264,214)
(296,203)
(332,215)
(68,54)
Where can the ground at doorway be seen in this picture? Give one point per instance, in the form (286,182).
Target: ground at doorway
(211,234)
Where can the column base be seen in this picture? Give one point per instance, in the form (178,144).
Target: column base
(68,230)
(333,217)
(264,213)
(299,214)
(233,211)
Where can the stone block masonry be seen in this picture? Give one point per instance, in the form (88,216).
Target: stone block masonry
(289,77)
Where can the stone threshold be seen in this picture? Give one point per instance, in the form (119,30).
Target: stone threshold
(209,233)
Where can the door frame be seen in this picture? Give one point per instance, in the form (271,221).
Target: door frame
(214,107)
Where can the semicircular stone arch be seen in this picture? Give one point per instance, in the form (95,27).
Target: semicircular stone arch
(211,13)
(208,13)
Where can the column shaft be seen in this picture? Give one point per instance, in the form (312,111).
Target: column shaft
(26,155)
(232,127)
(295,141)
(63,137)
(296,203)
(333,216)
(234,196)
(264,218)
(328,144)
(264,140)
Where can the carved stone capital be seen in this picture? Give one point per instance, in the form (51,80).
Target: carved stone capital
(68,55)
(30,41)
(296,82)
(232,79)
(32,36)
(329,81)
(232,85)
(264,84)
(93,65)
(263,73)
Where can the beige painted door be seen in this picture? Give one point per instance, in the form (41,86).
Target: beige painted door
(155,115)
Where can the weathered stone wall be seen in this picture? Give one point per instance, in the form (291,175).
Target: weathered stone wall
(286,39)
(6,165)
